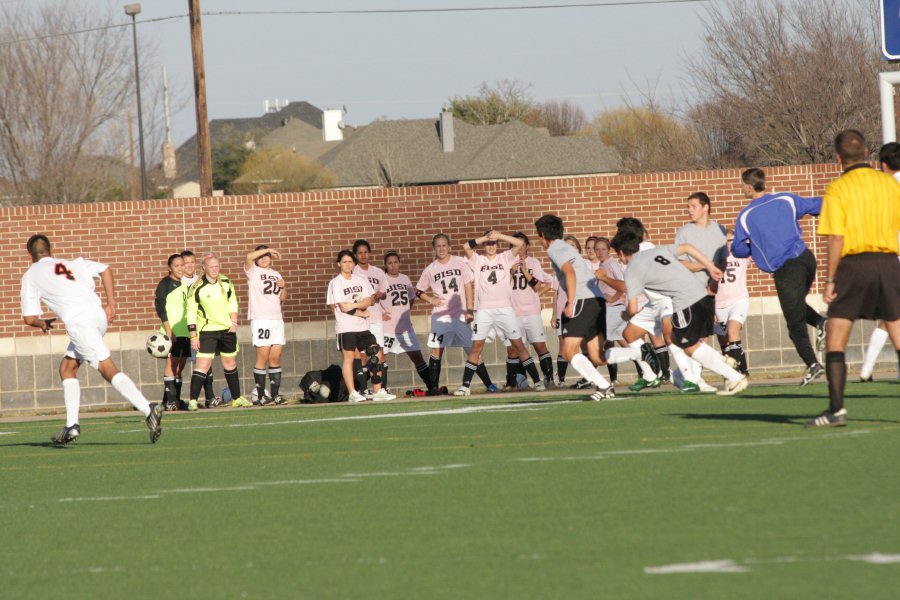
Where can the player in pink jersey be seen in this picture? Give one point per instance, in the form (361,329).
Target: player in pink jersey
(375,276)
(732,306)
(399,336)
(265,295)
(493,302)
(446,284)
(349,296)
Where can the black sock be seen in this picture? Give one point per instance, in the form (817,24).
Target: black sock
(531,369)
(359,375)
(424,372)
(275,376)
(434,364)
(208,385)
(483,375)
(468,373)
(736,351)
(259,378)
(546,366)
(613,369)
(198,379)
(662,353)
(178,389)
(234,383)
(649,356)
(512,368)
(169,389)
(384,369)
(836,372)
(562,365)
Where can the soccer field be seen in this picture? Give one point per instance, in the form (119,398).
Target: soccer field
(528,496)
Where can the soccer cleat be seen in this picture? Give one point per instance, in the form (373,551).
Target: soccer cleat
(214,402)
(827,419)
(356,397)
(705,387)
(734,387)
(642,383)
(368,393)
(241,402)
(492,389)
(689,387)
(865,379)
(820,336)
(192,405)
(383,395)
(462,391)
(154,422)
(581,384)
(650,357)
(812,372)
(279,399)
(539,386)
(603,394)
(66,435)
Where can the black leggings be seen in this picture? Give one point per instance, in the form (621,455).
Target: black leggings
(793,282)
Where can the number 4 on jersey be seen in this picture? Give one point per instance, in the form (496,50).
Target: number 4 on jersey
(61,269)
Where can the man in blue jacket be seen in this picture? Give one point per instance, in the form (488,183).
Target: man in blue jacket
(768,229)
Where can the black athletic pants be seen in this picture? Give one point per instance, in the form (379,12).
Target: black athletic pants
(793,282)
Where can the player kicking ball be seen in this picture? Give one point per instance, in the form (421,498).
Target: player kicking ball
(657,270)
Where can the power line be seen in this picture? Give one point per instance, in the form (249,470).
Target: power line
(88,30)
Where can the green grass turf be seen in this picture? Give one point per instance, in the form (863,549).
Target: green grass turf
(529,500)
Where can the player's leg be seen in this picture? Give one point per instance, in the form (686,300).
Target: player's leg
(472,361)
(348,355)
(274,367)
(876,343)
(202,366)
(633,336)
(68,373)
(545,360)
(835,362)
(790,286)
(260,368)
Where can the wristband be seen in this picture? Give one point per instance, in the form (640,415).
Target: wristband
(470,311)
(829,280)
(192,328)
(532,283)
(473,244)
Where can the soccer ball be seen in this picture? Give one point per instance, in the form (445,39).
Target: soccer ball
(159,345)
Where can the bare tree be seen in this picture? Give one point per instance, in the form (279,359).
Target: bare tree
(63,101)
(507,101)
(559,117)
(272,170)
(776,80)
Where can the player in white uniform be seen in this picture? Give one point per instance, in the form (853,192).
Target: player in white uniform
(732,306)
(399,335)
(494,310)
(350,296)
(446,284)
(265,295)
(66,287)
(375,276)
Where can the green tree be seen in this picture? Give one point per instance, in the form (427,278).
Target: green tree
(227,158)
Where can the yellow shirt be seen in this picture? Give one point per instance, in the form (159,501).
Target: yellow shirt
(863,206)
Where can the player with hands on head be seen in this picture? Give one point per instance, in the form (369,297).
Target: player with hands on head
(265,296)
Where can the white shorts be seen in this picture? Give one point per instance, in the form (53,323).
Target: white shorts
(449,333)
(400,342)
(736,312)
(503,320)
(614,323)
(267,332)
(86,338)
(532,328)
(648,320)
(377,329)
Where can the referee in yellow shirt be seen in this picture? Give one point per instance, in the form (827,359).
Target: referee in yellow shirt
(860,216)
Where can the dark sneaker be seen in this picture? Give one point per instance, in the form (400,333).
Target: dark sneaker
(171,406)
(582,384)
(603,394)
(493,389)
(820,336)
(866,379)
(213,402)
(827,419)
(814,371)
(642,383)
(66,435)
(650,357)
(154,422)
(279,399)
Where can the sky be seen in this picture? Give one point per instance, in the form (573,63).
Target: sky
(407,65)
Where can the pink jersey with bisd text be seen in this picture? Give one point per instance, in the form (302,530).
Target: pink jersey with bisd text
(342,289)
(375,276)
(525,300)
(614,270)
(447,281)
(492,288)
(400,294)
(733,286)
(263,293)
(561,297)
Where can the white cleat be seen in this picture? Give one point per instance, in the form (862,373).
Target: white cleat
(382,395)
(734,387)
(356,397)
(705,387)
(539,386)
(462,391)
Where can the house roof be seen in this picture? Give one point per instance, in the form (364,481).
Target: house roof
(302,138)
(407,152)
(224,129)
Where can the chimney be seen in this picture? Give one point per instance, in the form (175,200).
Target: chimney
(447,130)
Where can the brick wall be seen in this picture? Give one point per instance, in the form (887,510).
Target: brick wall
(135,238)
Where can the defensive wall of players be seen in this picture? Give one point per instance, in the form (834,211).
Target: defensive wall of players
(135,238)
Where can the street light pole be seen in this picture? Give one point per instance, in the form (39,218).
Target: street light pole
(132,10)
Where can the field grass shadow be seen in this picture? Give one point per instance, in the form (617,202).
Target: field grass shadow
(765,418)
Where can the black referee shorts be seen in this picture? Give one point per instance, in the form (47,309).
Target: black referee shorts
(867,286)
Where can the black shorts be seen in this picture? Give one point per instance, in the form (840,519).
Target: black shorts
(181,348)
(588,319)
(693,323)
(867,287)
(222,342)
(355,340)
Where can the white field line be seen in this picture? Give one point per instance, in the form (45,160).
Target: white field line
(8,432)
(744,566)
(111,498)
(401,415)
(693,447)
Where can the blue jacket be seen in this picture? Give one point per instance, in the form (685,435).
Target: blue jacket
(768,229)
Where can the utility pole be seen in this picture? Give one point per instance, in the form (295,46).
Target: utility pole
(204,157)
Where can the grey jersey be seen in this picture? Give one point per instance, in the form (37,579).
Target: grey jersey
(658,270)
(709,240)
(586,284)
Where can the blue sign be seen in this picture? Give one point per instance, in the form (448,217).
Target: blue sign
(890,29)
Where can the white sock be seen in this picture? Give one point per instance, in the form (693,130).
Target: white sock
(72,398)
(696,370)
(585,367)
(715,362)
(681,359)
(125,386)
(876,343)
